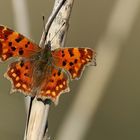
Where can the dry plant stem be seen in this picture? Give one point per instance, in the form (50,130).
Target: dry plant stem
(39,111)
(109,48)
(49,23)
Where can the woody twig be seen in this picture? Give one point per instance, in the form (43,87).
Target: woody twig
(37,128)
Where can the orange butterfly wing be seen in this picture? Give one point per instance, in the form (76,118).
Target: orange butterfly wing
(54,80)
(20,74)
(73,60)
(13,44)
(54,84)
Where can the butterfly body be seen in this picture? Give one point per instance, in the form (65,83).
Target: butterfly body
(42,64)
(41,72)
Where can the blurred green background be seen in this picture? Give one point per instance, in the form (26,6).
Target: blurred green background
(112,28)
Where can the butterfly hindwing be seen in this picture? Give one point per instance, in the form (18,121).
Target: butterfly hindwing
(13,44)
(53,85)
(73,60)
(20,75)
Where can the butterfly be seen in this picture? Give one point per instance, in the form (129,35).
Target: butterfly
(41,72)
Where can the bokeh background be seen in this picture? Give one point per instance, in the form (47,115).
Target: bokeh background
(104,103)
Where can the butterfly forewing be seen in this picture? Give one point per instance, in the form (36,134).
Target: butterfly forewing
(13,44)
(73,60)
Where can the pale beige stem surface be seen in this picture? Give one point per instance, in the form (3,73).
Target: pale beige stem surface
(39,111)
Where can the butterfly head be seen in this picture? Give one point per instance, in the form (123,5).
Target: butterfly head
(48,45)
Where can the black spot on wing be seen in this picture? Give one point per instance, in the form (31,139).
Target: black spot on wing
(71,63)
(26,67)
(13,48)
(64,63)
(21,63)
(27,45)
(20,51)
(63,55)
(75,61)
(71,52)
(5,37)
(10,43)
(26,74)
(17,72)
(59,73)
(19,38)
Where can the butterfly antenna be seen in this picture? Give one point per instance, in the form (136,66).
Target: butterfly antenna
(57,31)
(43,17)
